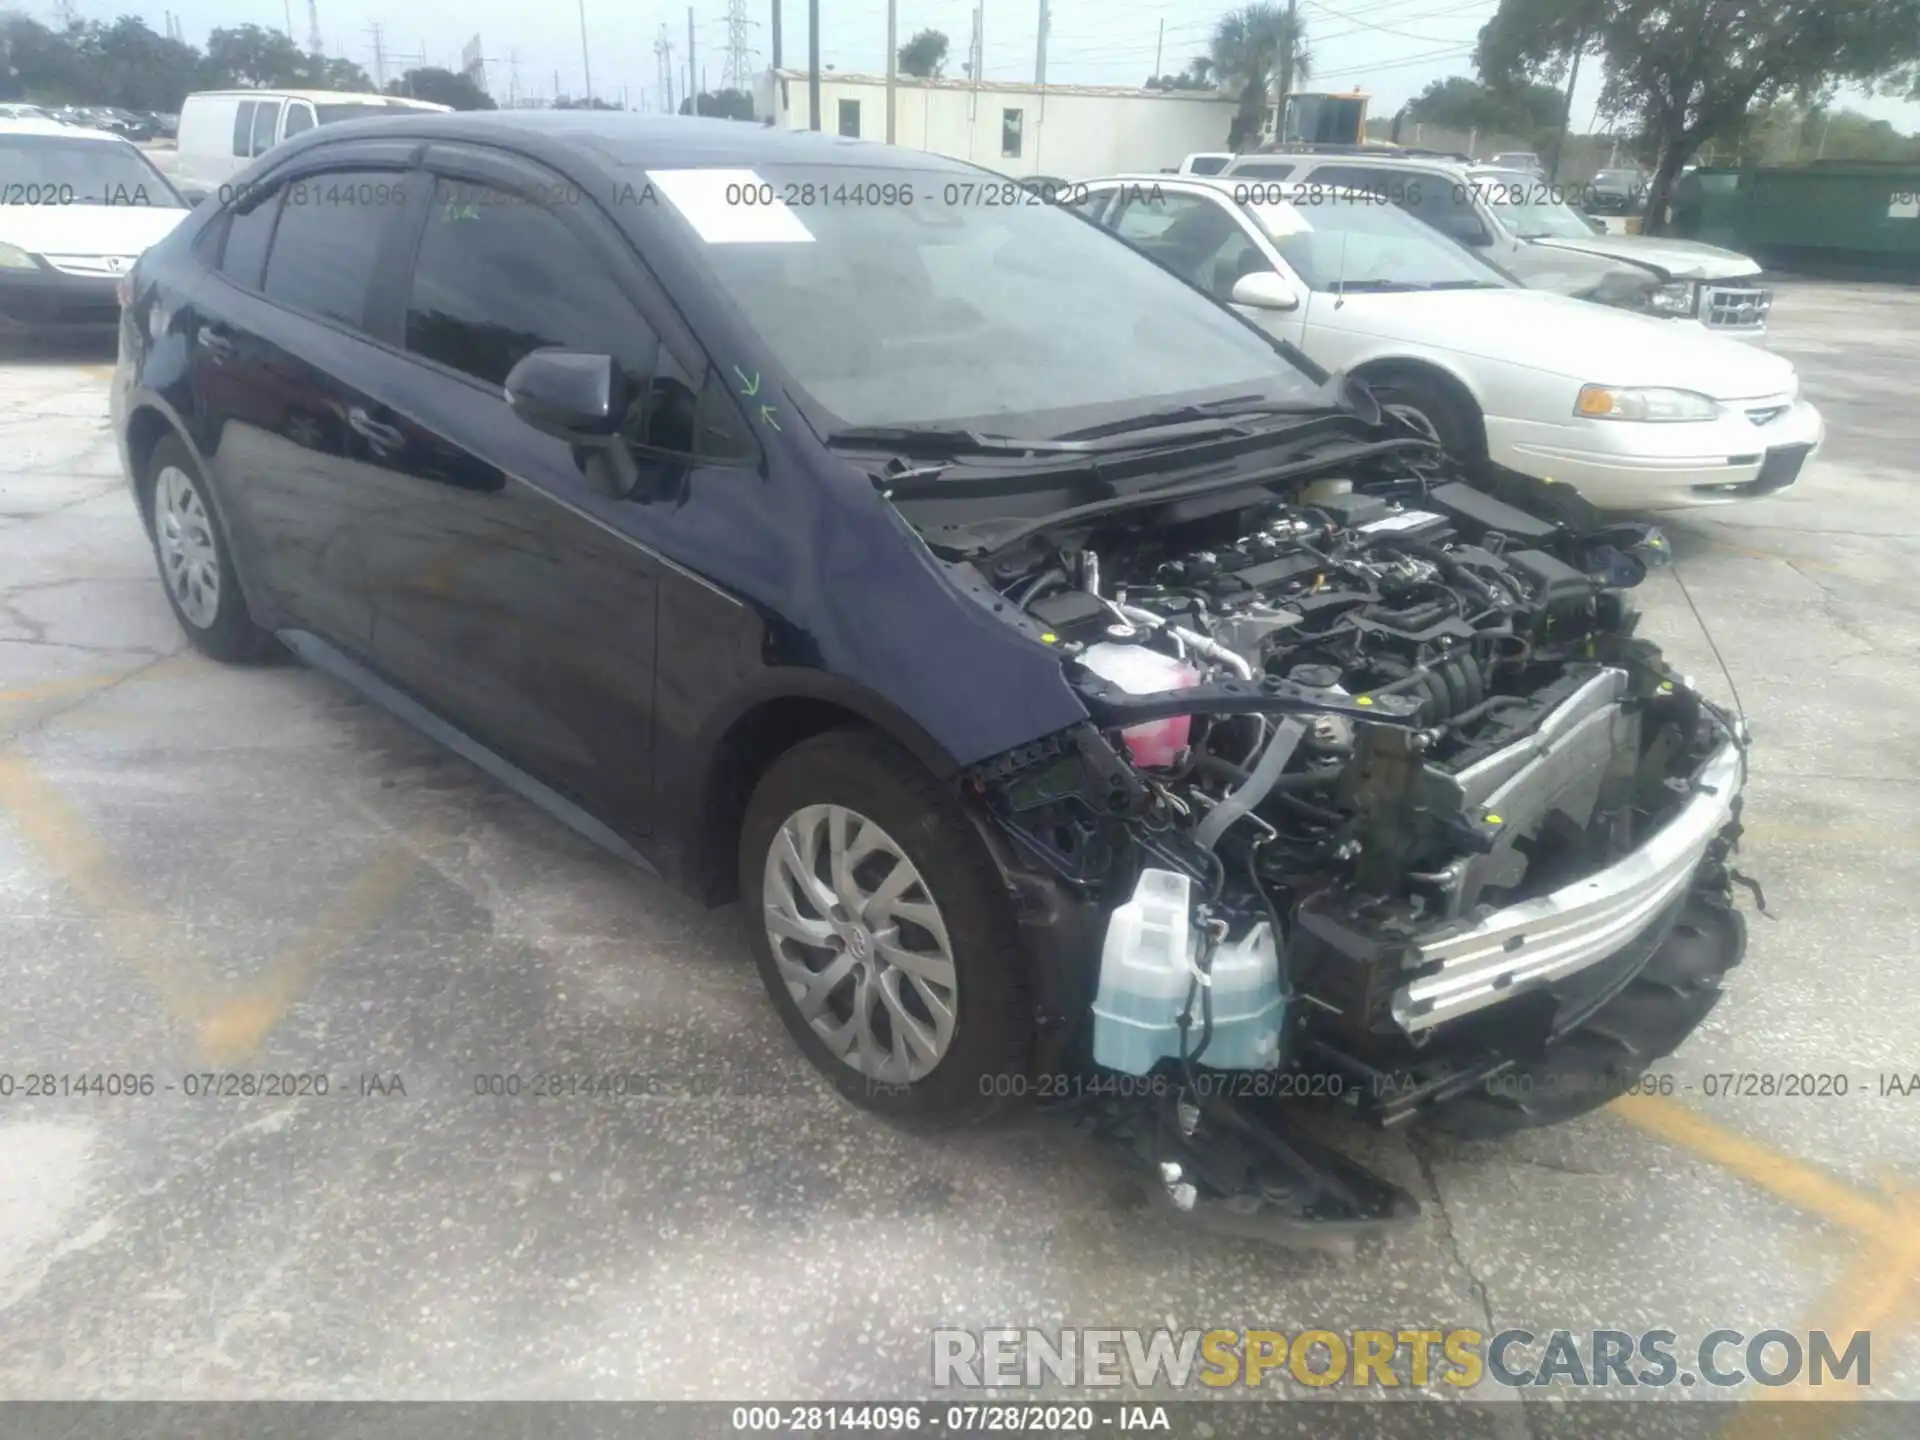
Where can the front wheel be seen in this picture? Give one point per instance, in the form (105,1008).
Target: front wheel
(883,931)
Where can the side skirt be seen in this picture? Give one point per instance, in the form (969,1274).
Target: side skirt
(323,656)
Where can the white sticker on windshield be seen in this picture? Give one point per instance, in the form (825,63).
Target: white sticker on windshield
(1280,220)
(731,207)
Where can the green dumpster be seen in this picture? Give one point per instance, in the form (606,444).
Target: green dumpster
(1847,215)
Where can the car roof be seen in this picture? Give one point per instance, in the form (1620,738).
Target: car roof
(28,125)
(1385,159)
(325,97)
(625,139)
(1222,185)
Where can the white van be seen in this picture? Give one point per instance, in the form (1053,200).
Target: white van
(222,130)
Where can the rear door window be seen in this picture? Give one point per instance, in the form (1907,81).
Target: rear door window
(328,241)
(266,119)
(243,127)
(243,258)
(299,117)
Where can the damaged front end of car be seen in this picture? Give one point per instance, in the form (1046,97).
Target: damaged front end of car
(1379,802)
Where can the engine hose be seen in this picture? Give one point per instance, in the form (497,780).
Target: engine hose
(1227,772)
(1446,564)
(1485,707)
(1286,736)
(1454,672)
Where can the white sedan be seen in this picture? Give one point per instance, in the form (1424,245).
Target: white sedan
(1632,412)
(77,208)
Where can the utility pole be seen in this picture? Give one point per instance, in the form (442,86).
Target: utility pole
(663,53)
(379,57)
(315,46)
(1566,111)
(1159,45)
(776,34)
(893,58)
(813,64)
(1040,48)
(1286,67)
(692,73)
(513,77)
(586,65)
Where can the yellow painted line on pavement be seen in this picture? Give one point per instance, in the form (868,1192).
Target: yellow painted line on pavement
(1880,1288)
(233,1032)
(229,1024)
(57,689)
(1795,1182)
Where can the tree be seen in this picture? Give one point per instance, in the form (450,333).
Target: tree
(924,55)
(442,87)
(333,74)
(1246,50)
(1687,71)
(1523,108)
(250,57)
(594,103)
(721,104)
(1197,76)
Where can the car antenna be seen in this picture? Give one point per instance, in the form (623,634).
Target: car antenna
(1340,277)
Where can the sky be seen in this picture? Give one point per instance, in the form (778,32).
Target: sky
(1390,48)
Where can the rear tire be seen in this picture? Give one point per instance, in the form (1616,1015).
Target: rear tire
(1602,1057)
(897,973)
(196,563)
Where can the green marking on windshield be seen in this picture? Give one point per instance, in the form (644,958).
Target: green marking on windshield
(748,387)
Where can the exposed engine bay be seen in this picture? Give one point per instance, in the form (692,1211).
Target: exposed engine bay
(1378,783)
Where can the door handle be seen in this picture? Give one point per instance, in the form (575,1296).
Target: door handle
(215,344)
(375,432)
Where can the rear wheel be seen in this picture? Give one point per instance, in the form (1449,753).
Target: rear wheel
(196,564)
(883,932)
(1613,1047)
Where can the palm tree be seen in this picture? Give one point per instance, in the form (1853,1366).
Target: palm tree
(1247,46)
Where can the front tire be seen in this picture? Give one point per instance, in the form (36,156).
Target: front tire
(884,933)
(1431,408)
(196,563)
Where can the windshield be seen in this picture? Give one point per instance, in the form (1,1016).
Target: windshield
(1362,241)
(947,298)
(50,170)
(1530,208)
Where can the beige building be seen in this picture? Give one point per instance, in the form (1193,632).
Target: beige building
(1072,131)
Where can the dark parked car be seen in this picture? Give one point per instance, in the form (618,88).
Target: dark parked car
(1083,693)
(1616,192)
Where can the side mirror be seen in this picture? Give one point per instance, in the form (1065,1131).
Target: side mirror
(567,394)
(1264,290)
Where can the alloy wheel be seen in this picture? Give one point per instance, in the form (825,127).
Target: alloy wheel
(860,943)
(189,561)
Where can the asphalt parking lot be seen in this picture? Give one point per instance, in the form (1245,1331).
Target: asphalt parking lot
(205,869)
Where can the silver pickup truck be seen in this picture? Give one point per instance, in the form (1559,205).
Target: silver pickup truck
(1524,225)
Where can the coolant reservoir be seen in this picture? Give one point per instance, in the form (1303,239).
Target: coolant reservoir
(1140,671)
(1146,969)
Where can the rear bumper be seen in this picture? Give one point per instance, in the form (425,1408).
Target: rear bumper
(1626,466)
(46,300)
